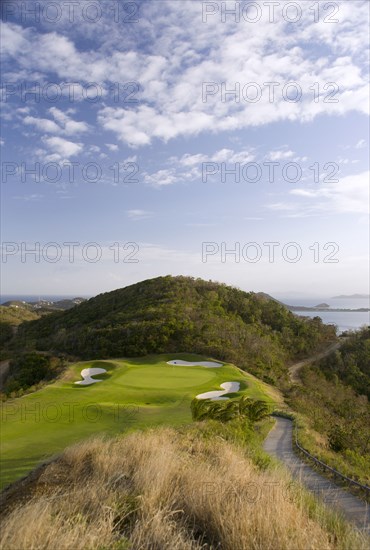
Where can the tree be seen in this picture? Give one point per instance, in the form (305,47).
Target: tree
(27,370)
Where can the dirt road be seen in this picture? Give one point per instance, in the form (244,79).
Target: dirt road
(294,369)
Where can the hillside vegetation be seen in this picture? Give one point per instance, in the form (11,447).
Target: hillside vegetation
(14,316)
(333,398)
(187,489)
(171,314)
(10,319)
(351,363)
(29,371)
(336,423)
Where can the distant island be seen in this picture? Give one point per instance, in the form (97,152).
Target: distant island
(319,307)
(325,307)
(351,296)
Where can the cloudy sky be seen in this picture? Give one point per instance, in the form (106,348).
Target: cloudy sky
(222,140)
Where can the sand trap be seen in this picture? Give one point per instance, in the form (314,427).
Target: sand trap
(207,364)
(87,374)
(228,387)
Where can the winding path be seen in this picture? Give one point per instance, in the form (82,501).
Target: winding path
(294,369)
(279,444)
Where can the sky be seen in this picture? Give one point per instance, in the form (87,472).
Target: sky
(222,140)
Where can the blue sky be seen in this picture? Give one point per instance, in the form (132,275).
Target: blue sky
(130,117)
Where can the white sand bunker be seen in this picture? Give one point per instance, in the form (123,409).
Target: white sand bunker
(207,364)
(228,387)
(87,374)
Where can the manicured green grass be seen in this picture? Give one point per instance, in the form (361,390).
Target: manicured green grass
(133,394)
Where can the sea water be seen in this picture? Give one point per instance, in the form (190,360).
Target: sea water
(344,320)
(32,298)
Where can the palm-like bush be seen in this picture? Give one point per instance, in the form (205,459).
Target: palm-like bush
(251,409)
(200,409)
(223,410)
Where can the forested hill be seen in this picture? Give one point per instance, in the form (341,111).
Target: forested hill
(174,314)
(351,363)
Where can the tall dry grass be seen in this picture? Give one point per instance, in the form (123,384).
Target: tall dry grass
(165,490)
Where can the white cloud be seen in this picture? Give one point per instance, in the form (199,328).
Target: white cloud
(112,146)
(360,144)
(23,110)
(52,51)
(283,206)
(280,155)
(349,195)
(68,126)
(29,198)
(177,53)
(64,125)
(180,92)
(138,215)
(42,124)
(161,178)
(132,158)
(189,166)
(191,160)
(230,156)
(243,157)
(14,38)
(223,155)
(62,148)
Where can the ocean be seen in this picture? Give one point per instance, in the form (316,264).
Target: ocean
(32,298)
(344,320)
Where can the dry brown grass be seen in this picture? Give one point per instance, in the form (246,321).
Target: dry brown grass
(164,490)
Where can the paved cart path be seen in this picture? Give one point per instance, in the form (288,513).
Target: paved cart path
(279,444)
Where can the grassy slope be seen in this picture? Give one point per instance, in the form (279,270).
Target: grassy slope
(135,393)
(10,319)
(16,316)
(192,488)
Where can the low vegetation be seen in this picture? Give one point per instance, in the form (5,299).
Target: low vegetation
(334,409)
(188,489)
(336,422)
(250,410)
(351,363)
(14,316)
(27,370)
(10,319)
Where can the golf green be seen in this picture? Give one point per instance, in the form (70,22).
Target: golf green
(132,394)
(168,377)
